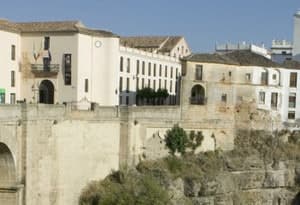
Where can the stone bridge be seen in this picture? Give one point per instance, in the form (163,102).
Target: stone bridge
(49,153)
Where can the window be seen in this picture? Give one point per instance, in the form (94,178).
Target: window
(2,96)
(143,68)
(165,84)
(127,85)
(166,71)
(293,80)
(154,70)
(149,69)
(224,97)
(137,83)
(12,78)
(248,77)
(47,43)
(121,64)
(154,85)
(199,70)
(274,100)
(68,68)
(274,76)
(137,67)
(292,100)
(229,73)
(143,82)
(86,85)
(13,52)
(12,98)
(176,72)
(291,115)
(264,78)
(171,72)
(121,84)
(160,70)
(149,83)
(127,100)
(170,86)
(262,97)
(159,84)
(128,65)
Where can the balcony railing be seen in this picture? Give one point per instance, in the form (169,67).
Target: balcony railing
(198,100)
(41,68)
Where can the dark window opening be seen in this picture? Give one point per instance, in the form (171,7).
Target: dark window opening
(86,85)
(13,52)
(12,78)
(47,43)
(199,70)
(68,69)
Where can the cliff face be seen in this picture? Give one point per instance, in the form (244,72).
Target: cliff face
(264,169)
(252,184)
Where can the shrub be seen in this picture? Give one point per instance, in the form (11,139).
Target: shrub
(176,140)
(125,188)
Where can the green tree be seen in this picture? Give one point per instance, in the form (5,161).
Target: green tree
(176,140)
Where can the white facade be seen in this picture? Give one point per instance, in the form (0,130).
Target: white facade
(10,52)
(65,62)
(296,48)
(140,69)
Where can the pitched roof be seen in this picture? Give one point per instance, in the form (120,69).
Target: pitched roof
(243,58)
(162,43)
(291,64)
(171,42)
(210,58)
(142,41)
(6,25)
(52,26)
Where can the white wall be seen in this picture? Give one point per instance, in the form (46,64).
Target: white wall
(142,56)
(7,39)
(296,42)
(99,66)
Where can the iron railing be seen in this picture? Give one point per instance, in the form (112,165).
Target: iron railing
(51,68)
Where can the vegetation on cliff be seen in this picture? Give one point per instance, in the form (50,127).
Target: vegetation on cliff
(148,182)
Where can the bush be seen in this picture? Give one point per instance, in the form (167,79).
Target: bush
(176,140)
(125,188)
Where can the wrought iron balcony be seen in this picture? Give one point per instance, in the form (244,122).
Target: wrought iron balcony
(53,68)
(45,70)
(198,100)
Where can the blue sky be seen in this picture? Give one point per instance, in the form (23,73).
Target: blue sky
(202,22)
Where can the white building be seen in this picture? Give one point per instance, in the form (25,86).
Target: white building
(296,48)
(66,62)
(281,50)
(229,47)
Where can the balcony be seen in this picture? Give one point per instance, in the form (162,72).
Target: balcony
(45,70)
(198,100)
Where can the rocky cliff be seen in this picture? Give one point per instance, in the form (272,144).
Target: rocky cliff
(263,169)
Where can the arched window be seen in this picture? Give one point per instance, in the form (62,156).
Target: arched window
(198,95)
